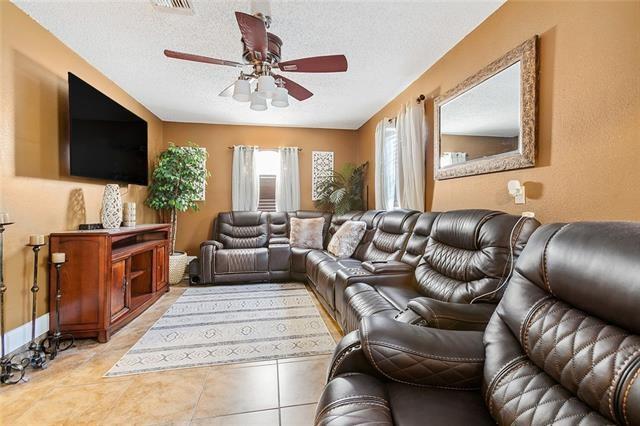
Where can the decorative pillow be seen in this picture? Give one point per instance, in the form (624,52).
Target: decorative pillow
(346,239)
(307,233)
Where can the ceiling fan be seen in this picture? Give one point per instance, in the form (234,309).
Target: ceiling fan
(261,51)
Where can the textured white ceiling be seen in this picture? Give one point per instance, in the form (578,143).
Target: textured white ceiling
(387,44)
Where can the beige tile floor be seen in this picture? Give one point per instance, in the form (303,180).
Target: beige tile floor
(72,391)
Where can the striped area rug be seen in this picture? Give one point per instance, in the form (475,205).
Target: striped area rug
(227,325)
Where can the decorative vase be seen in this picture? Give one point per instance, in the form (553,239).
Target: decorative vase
(111,207)
(177,267)
(129,214)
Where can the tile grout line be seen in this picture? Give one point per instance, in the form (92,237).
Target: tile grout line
(278,384)
(195,406)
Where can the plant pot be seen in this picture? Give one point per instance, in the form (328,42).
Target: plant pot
(177,266)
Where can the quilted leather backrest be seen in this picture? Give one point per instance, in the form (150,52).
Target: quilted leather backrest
(311,214)
(390,239)
(242,229)
(372,219)
(468,254)
(564,342)
(278,225)
(336,222)
(418,239)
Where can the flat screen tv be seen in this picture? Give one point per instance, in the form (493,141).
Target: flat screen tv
(107,141)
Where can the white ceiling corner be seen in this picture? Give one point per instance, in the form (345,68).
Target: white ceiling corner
(388,45)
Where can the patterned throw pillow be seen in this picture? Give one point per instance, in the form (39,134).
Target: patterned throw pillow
(307,233)
(346,239)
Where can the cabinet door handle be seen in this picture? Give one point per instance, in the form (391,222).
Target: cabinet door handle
(124,285)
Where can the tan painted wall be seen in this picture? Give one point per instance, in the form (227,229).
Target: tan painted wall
(589,111)
(34,186)
(194,227)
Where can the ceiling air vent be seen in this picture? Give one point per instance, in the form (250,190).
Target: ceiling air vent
(177,6)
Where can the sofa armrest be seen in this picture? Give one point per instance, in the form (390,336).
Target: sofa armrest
(279,240)
(423,356)
(217,245)
(347,276)
(452,316)
(348,357)
(386,266)
(208,260)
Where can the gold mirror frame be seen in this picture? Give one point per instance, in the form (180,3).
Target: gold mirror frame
(527,55)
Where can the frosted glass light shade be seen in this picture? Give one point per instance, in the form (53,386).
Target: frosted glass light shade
(266,86)
(258,102)
(280,98)
(242,91)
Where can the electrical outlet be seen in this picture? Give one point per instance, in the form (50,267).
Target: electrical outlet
(528,214)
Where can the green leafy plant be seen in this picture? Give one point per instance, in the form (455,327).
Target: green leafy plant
(342,191)
(177,183)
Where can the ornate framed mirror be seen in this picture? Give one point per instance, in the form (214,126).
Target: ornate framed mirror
(487,123)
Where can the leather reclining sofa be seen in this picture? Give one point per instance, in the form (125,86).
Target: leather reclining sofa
(552,354)
(419,267)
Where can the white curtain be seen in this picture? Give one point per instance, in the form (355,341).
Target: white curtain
(288,181)
(245,189)
(412,141)
(386,165)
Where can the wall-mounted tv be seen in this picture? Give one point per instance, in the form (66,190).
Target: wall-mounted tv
(107,141)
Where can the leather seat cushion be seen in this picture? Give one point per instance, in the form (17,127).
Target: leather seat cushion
(242,260)
(411,405)
(353,399)
(325,277)
(362,300)
(398,295)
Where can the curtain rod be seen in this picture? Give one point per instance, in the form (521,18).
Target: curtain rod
(418,100)
(299,149)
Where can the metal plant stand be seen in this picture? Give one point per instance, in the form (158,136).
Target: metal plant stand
(57,342)
(37,358)
(10,372)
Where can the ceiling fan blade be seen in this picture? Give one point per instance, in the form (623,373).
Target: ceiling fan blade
(254,34)
(295,90)
(331,63)
(228,91)
(198,58)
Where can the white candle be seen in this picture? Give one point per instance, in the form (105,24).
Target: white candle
(58,257)
(4,217)
(36,240)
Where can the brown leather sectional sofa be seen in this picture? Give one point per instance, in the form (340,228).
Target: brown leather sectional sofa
(421,267)
(562,347)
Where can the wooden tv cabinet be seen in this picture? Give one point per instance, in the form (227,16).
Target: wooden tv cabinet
(110,277)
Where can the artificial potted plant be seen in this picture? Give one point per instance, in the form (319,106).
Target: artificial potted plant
(177,184)
(342,191)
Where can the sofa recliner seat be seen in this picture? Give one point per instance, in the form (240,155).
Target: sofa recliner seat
(238,251)
(387,243)
(466,259)
(552,353)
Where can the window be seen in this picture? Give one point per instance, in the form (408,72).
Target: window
(390,167)
(268,165)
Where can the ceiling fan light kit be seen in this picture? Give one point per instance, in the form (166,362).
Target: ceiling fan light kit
(242,90)
(266,86)
(261,51)
(280,98)
(258,102)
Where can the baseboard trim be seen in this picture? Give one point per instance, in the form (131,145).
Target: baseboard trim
(18,337)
